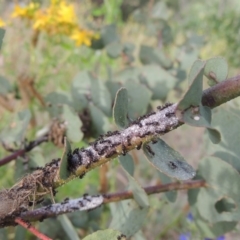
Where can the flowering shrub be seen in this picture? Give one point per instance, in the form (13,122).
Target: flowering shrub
(58,18)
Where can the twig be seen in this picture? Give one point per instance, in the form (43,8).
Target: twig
(94,201)
(32,229)
(115,197)
(81,204)
(21,152)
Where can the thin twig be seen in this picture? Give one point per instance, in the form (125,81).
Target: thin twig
(31,229)
(81,204)
(116,197)
(21,152)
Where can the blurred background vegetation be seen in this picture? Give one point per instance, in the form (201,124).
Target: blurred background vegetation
(77,54)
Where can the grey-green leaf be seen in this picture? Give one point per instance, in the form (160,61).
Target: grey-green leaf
(5,85)
(81,90)
(150,55)
(109,34)
(73,123)
(128,217)
(68,227)
(201,117)
(171,195)
(139,193)
(138,99)
(216,70)
(2,33)
(120,108)
(220,200)
(114,49)
(228,149)
(214,135)
(16,133)
(63,171)
(168,161)
(127,163)
(101,96)
(55,102)
(193,95)
(108,234)
(158,80)
(100,121)
(211,230)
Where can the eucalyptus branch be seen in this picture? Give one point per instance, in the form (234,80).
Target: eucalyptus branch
(116,197)
(146,128)
(21,152)
(91,202)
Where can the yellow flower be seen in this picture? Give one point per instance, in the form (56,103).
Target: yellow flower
(58,18)
(2,23)
(82,37)
(66,13)
(27,12)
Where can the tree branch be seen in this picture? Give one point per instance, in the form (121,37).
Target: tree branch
(91,202)
(221,92)
(146,128)
(21,152)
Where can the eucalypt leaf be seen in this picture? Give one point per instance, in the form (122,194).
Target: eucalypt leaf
(15,133)
(105,234)
(190,110)
(216,70)
(193,96)
(139,193)
(201,117)
(120,108)
(73,123)
(63,171)
(170,195)
(128,217)
(219,202)
(127,163)
(168,161)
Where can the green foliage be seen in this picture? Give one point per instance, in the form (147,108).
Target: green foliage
(139,60)
(127,163)
(5,86)
(73,122)
(63,171)
(139,194)
(2,32)
(68,227)
(216,70)
(190,108)
(120,108)
(171,195)
(104,234)
(167,160)
(193,96)
(17,132)
(128,217)
(218,202)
